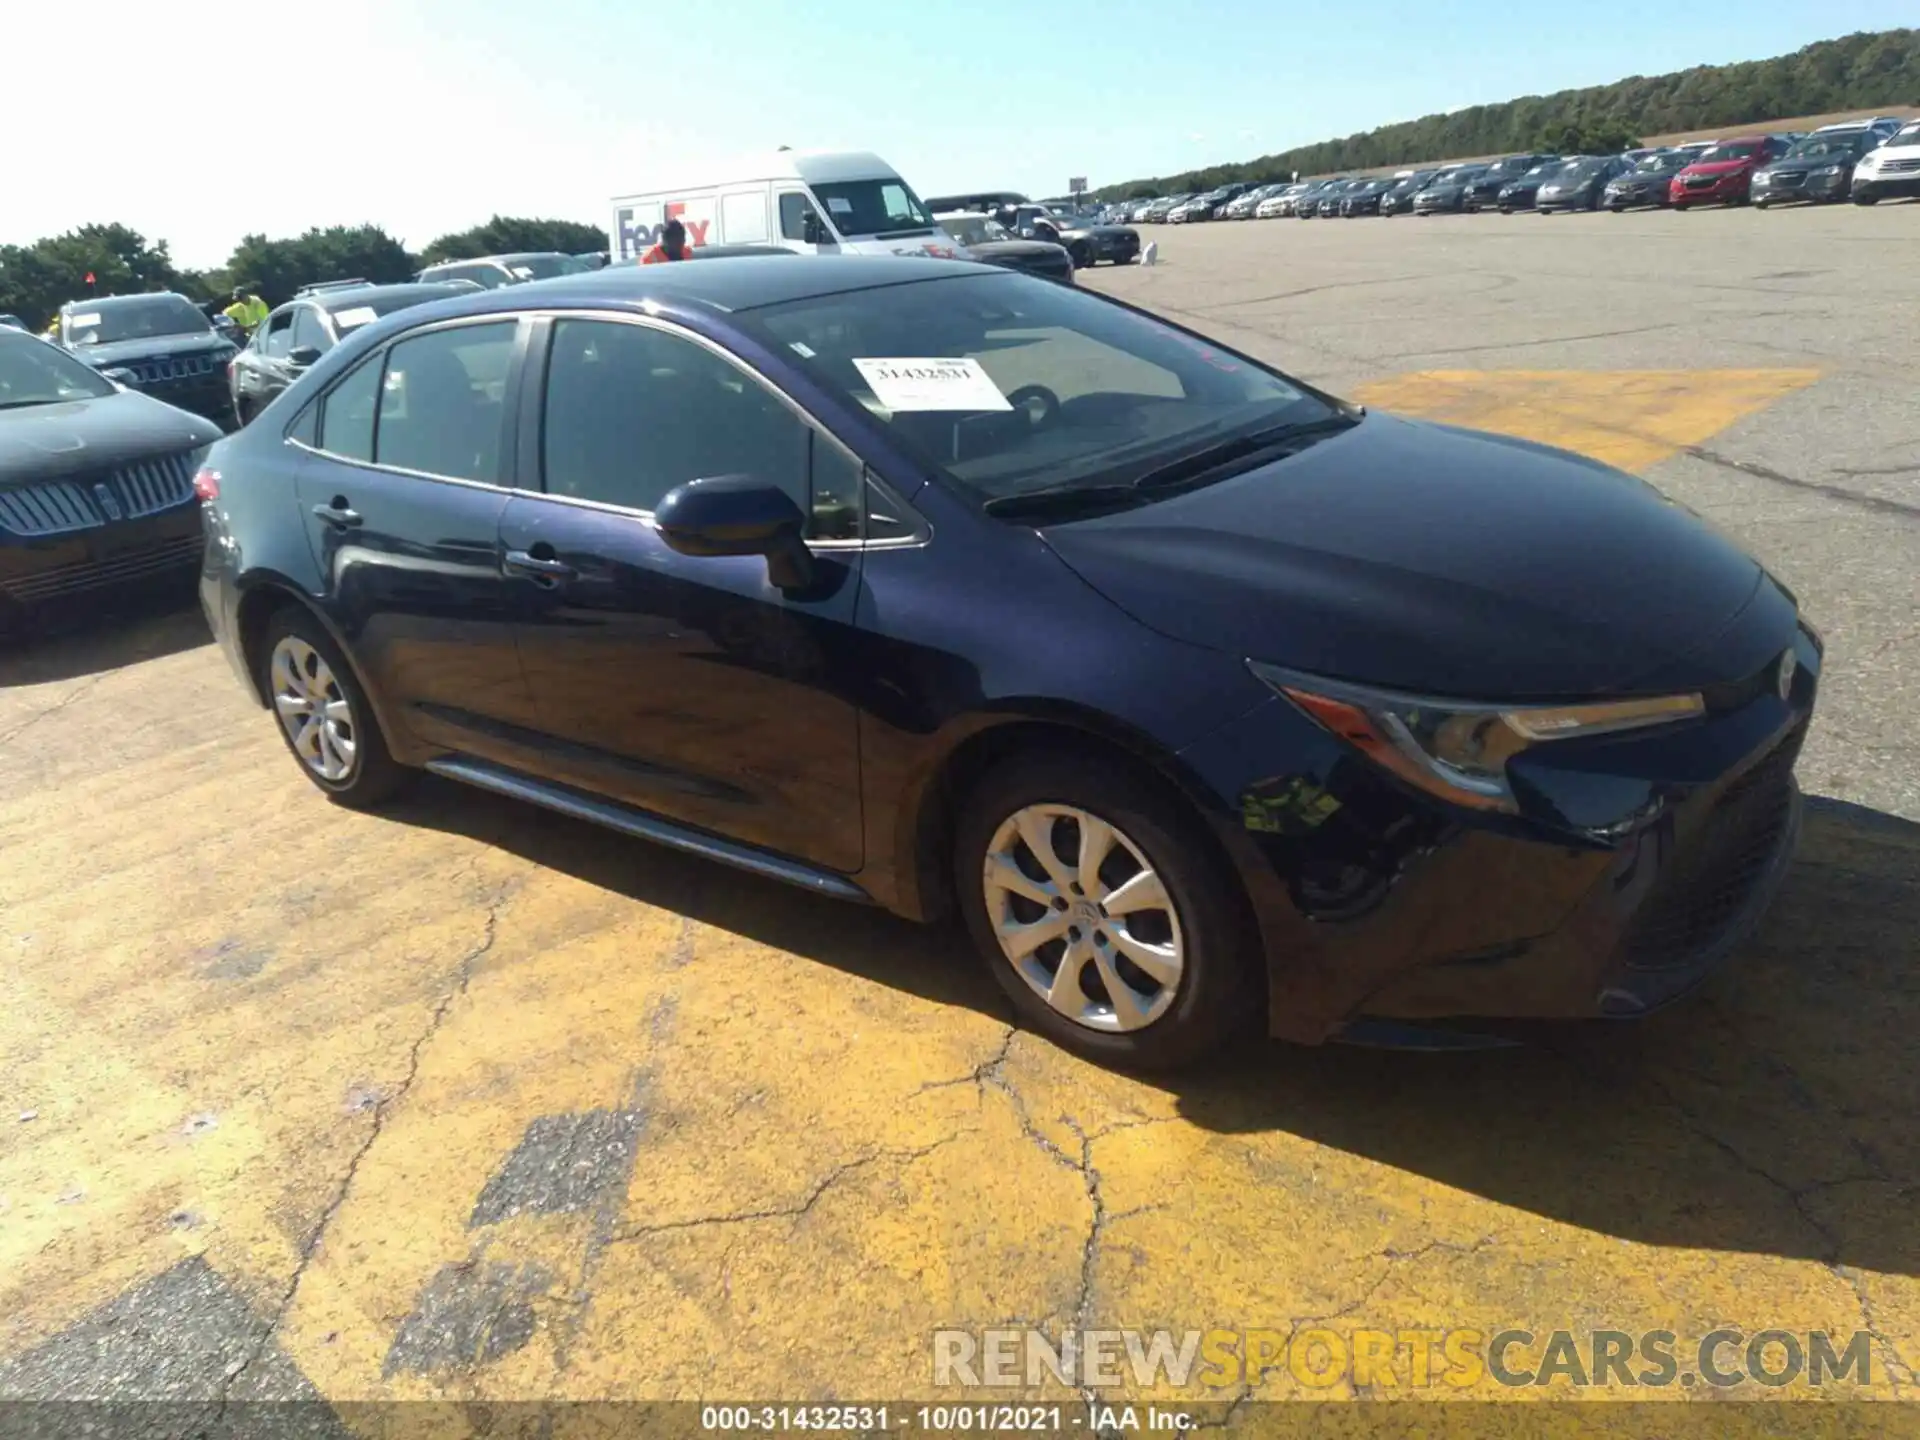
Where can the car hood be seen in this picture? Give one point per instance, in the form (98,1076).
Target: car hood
(1719,168)
(149,347)
(49,442)
(1437,560)
(1016,250)
(1808,165)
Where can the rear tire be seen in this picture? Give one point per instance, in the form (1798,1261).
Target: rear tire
(1179,954)
(323,716)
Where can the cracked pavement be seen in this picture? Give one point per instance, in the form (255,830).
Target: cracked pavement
(469,1102)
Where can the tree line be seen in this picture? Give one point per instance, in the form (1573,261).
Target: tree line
(38,278)
(1855,72)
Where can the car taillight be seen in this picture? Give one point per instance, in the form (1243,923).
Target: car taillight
(206,483)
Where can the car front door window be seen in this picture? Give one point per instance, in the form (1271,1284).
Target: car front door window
(309,333)
(279,342)
(632,412)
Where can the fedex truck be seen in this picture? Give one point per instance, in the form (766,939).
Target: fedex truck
(811,202)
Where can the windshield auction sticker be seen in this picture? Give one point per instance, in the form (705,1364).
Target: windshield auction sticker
(931,384)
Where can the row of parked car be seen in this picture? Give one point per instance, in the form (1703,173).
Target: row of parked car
(1865,161)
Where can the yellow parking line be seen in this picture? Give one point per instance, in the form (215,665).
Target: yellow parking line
(1630,418)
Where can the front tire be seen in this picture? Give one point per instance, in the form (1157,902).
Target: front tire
(324,716)
(1095,898)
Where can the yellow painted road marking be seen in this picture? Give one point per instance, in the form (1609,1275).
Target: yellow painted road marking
(1630,418)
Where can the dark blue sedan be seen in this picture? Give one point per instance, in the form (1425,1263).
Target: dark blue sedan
(1205,698)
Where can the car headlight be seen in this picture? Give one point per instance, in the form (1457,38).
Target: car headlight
(1458,750)
(1830,170)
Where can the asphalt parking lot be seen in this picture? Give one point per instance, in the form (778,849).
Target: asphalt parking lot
(467,1101)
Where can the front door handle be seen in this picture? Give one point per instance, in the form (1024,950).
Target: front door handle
(543,569)
(339,514)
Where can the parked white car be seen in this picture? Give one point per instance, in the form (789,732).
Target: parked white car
(1892,169)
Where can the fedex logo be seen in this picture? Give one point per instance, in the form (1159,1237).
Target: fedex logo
(637,236)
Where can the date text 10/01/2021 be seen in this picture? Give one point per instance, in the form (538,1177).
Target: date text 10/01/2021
(964,1419)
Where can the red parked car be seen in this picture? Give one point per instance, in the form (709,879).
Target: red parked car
(1724,174)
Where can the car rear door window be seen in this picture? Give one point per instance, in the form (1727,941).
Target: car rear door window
(632,411)
(443,401)
(346,416)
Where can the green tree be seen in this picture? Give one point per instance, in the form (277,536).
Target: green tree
(1585,140)
(37,279)
(507,235)
(274,269)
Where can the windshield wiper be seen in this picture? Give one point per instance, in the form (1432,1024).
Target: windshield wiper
(1064,499)
(1197,463)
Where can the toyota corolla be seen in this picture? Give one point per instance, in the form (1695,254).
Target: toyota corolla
(1206,698)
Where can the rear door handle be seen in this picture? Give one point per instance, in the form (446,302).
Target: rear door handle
(339,514)
(543,569)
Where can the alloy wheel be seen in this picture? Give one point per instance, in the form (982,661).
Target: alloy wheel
(313,709)
(1083,918)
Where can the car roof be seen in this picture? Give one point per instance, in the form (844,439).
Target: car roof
(418,291)
(730,283)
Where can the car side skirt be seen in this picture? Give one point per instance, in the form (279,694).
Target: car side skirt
(630,821)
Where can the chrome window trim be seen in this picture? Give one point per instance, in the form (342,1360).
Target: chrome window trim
(923,527)
(799,411)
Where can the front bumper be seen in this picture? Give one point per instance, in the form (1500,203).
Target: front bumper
(1905,185)
(1376,904)
(1623,199)
(1721,192)
(209,396)
(1809,186)
(43,571)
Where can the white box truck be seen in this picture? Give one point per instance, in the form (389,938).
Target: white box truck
(811,202)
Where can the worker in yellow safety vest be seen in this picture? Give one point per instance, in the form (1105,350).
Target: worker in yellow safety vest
(247,310)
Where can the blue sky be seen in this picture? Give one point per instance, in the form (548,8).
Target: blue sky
(427,115)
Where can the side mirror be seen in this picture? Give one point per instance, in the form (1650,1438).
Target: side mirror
(120,376)
(813,231)
(303,355)
(738,515)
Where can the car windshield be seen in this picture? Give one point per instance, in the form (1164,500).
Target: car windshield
(1738,150)
(364,311)
(1050,386)
(1839,146)
(873,207)
(136,317)
(32,372)
(1654,164)
(544,267)
(1909,135)
(1581,169)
